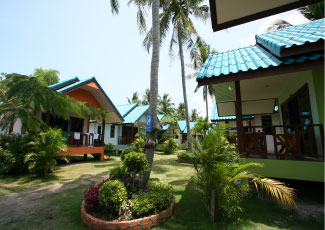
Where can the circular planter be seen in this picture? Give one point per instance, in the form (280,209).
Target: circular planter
(181,160)
(136,224)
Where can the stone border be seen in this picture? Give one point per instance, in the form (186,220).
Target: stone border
(181,160)
(136,224)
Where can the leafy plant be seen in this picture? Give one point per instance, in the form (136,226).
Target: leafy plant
(189,156)
(135,163)
(170,146)
(7,161)
(47,145)
(117,173)
(91,196)
(136,146)
(202,126)
(218,172)
(112,194)
(157,199)
(109,149)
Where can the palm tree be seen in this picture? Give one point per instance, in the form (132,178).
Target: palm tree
(314,11)
(166,105)
(146,97)
(134,98)
(178,13)
(194,115)
(199,54)
(180,111)
(141,4)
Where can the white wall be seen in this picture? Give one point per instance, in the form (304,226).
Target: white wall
(108,138)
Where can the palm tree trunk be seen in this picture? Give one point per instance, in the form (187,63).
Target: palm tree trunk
(149,152)
(181,55)
(205,92)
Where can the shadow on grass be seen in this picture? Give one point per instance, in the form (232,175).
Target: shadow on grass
(191,213)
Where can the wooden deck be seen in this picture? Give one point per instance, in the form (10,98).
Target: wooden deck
(80,150)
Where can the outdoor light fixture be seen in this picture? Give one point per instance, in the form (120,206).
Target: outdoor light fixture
(230,88)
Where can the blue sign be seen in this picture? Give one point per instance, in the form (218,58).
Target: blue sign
(148,122)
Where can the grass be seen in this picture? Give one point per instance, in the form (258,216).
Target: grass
(62,210)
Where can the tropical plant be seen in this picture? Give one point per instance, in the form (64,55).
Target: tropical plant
(199,54)
(314,11)
(7,161)
(134,98)
(111,195)
(224,182)
(180,111)
(91,196)
(146,97)
(110,149)
(202,126)
(46,77)
(194,115)
(165,105)
(170,146)
(47,145)
(178,13)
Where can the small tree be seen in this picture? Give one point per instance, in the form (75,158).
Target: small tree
(201,126)
(135,163)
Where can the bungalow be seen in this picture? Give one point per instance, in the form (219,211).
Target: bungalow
(80,138)
(183,131)
(286,69)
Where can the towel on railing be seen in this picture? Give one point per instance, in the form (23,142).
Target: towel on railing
(76,136)
(96,135)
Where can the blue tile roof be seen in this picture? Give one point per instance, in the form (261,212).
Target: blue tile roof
(165,127)
(256,57)
(182,125)
(215,115)
(75,85)
(135,114)
(160,116)
(278,40)
(125,109)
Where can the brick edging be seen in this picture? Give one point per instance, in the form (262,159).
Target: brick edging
(136,224)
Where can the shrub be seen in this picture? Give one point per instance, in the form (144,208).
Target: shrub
(189,156)
(18,146)
(157,199)
(110,149)
(7,161)
(111,195)
(135,163)
(138,145)
(47,145)
(159,147)
(117,173)
(91,196)
(125,152)
(170,146)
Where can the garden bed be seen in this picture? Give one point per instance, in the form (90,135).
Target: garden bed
(181,160)
(142,223)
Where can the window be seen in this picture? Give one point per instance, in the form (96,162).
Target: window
(112,131)
(267,123)
(99,129)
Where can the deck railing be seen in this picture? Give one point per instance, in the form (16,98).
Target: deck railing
(85,139)
(295,142)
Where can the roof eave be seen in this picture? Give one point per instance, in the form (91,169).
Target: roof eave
(249,18)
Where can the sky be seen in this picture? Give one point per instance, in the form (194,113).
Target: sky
(82,38)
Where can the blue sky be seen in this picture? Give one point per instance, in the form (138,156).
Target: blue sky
(82,38)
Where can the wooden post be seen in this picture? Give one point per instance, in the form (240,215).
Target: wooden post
(239,119)
(103,132)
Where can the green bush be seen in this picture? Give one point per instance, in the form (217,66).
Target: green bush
(116,173)
(7,161)
(189,156)
(125,152)
(135,163)
(47,145)
(112,194)
(138,145)
(159,147)
(110,149)
(170,146)
(18,146)
(157,199)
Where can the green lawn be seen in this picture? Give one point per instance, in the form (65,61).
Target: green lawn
(62,210)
